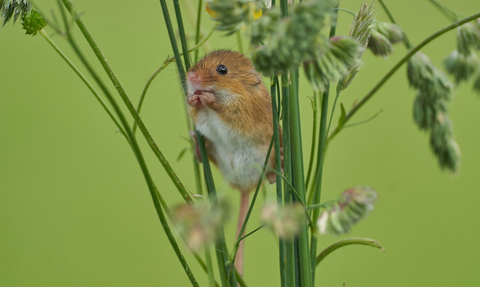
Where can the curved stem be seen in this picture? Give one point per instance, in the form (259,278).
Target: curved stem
(397,66)
(345,242)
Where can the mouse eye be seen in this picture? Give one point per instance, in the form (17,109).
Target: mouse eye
(222,70)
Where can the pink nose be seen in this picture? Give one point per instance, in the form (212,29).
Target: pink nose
(193,78)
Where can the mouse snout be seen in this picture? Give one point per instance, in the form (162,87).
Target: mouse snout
(193,78)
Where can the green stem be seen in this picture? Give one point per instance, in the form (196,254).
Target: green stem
(320,156)
(314,138)
(390,16)
(197,30)
(345,242)
(299,181)
(447,12)
(153,189)
(287,171)
(121,91)
(181,30)
(208,259)
(370,94)
(278,167)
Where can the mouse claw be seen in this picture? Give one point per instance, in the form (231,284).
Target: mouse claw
(193,135)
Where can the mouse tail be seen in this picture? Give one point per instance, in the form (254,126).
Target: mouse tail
(242,214)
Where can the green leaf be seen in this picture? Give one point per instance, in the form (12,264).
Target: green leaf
(182,153)
(343,115)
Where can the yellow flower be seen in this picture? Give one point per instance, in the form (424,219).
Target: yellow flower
(256,13)
(210,11)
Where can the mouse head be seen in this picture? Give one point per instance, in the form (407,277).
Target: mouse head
(225,74)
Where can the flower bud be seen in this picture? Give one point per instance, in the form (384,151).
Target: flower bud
(354,204)
(443,145)
(33,22)
(379,44)
(462,65)
(468,36)
(198,224)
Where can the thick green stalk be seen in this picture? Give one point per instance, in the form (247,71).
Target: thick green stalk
(181,30)
(121,91)
(278,167)
(397,66)
(345,242)
(287,172)
(153,189)
(322,141)
(299,181)
(197,30)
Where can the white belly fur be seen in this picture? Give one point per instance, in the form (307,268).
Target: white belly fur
(238,160)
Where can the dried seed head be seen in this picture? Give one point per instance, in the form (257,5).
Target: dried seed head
(360,29)
(354,204)
(198,224)
(284,221)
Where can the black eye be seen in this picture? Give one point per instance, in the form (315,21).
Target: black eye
(222,70)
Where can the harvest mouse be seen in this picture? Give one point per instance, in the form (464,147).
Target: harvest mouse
(232,109)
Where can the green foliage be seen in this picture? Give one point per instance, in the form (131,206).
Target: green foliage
(33,22)
(13,8)
(468,37)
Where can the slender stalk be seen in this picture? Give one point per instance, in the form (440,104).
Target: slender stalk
(278,167)
(287,171)
(197,30)
(320,156)
(299,181)
(392,71)
(153,189)
(121,91)
(345,242)
(314,138)
(390,16)
(208,259)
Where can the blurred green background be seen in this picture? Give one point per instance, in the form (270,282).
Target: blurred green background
(75,209)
